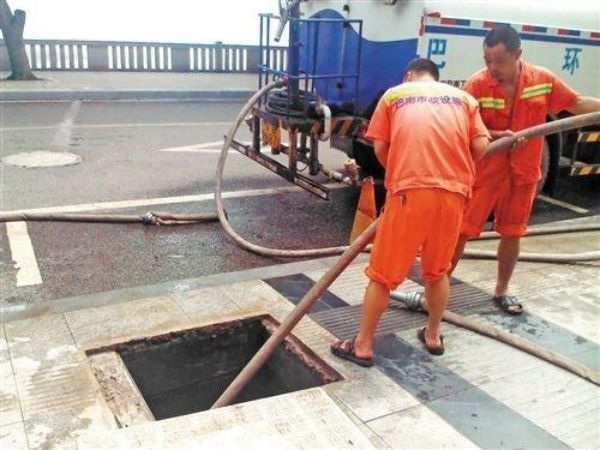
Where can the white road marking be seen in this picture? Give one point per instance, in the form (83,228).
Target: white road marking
(105,206)
(192,149)
(120,125)
(62,137)
(21,249)
(565,205)
(200,148)
(207,147)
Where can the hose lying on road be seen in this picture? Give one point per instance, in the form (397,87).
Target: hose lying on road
(487,329)
(523,344)
(265,251)
(150,218)
(545,231)
(503,143)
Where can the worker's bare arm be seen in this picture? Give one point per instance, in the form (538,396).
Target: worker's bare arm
(584,105)
(479,146)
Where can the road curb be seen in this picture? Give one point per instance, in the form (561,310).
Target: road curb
(110,95)
(93,300)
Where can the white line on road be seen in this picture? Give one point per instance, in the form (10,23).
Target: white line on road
(21,249)
(201,148)
(62,137)
(565,205)
(120,125)
(105,206)
(196,148)
(191,149)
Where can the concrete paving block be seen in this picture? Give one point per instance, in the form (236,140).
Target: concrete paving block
(13,436)
(371,395)
(5,364)
(254,294)
(373,438)
(60,430)
(154,315)
(70,386)
(314,336)
(589,269)
(419,428)
(561,403)
(116,323)
(477,359)
(306,419)
(350,285)
(98,324)
(10,408)
(575,313)
(41,341)
(551,398)
(205,303)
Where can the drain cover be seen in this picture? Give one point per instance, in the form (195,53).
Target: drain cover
(30,160)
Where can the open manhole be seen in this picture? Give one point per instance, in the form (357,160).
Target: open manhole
(185,372)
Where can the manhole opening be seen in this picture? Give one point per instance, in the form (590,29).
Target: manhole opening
(185,372)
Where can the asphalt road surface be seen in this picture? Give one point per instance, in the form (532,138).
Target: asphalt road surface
(137,157)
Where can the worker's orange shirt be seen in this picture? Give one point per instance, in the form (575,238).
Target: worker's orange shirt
(538,93)
(429,127)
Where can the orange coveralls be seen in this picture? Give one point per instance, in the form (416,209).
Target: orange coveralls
(506,182)
(429,172)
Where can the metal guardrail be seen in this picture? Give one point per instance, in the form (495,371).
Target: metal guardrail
(102,56)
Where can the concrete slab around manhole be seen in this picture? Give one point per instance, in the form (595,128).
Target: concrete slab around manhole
(32,160)
(304,419)
(184,372)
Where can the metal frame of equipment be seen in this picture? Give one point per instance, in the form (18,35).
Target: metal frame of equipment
(296,109)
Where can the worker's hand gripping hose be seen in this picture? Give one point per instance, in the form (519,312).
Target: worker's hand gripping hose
(570,123)
(500,144)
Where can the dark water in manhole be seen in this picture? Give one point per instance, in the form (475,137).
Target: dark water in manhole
(186,373)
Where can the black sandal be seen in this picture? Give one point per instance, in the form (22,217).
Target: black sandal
(433,350)
(345,350)
(509,304)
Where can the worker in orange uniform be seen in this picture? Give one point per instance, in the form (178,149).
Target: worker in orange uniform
(512,95)
(427,135)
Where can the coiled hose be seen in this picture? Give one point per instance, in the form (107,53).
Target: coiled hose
(279,102)
(550,128)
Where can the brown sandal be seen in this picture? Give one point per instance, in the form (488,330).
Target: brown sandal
(345,350)
(433,350)
(509,304)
